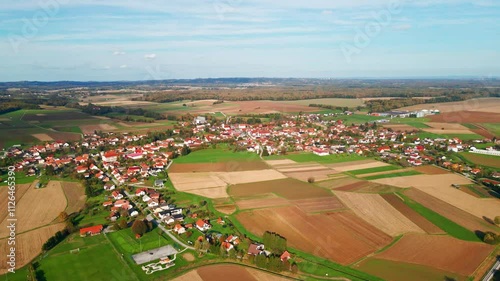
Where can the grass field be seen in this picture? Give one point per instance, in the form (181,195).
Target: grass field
(450,227)
(480,159)
(393,175)
(374,170)
(358,118)
(414,122)
(472,136)
(395,271)
(309,157)
(221,154)
(97,260)
(126,242)
(494,128)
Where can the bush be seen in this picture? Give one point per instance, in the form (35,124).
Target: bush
(497,220)
(490,238)
(311,180)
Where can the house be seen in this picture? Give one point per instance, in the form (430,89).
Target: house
(285,256)
(107,203)
(179,229)
(199,120)
(255,249)
(220,221)
(81,169)
(109,156)
(228,246)
(109,186)
(141,191)
(117,195)
(159,183)
(92,230)
(202,225)
(168,220)
(321,152)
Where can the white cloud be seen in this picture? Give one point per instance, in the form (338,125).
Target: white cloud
(150,56)
(118,53)
(327,12)
(123,66)
(402,27)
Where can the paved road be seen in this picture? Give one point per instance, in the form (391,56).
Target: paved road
(492,271)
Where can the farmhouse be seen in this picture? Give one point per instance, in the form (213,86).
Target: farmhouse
(92,230)
(109,156)
(117,195)
(179,229)
(255,249)
(202,225)
(159,183)
(109,186)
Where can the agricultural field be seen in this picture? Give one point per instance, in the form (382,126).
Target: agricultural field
(228,166)
(75,195)
(347,239)
(399,175)
(28,244)
(310,157)
(38,207)
(446,128)
(290,189)
(483,160)
(481,104)
(382,168)
(367,187)
(441,252)
(220,154)
(20,191)
(376,211)
(228,272)
(396,271)
(330,101)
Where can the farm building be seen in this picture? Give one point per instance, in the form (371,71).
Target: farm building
(92,230)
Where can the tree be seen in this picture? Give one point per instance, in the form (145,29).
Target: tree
(49,170)
(295,268)
(497,220)
(311,180)
(139,227)
(63,216)
(122,224)
(261,261)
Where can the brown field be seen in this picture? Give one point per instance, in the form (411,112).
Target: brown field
(385,172)
(28,245)
(368,187)
(226,209)
(376,211)
(38,207)
(89,129)
(280,162)
(359,166)
(451,212)
(346,239)
(188,257)
(424,180)
(415,217)
(318,175)
(439,186)
(65,136)
(482,104)
(257,107)
(352,186)
(190,181)
(338,182)
(43,137)
(446,128)
(266,202)
(288,188)
(399,127)
(228,272)
(213,193)
(218,167)
(353,163)
(20,191)
(63,115)
(442,252)
(319,204)
(431,170)
(485,160)
(466,117)
(75,195)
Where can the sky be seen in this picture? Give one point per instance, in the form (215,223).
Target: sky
(109,40)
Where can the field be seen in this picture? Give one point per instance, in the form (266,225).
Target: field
(367,187)
(217,155)
(376,211)
(481,104)
(446,213)
(126,242)
(309,157)
(228,272)
(20,191)
(97,260)
(346,239)
(446,128)
(396,271)
(483,160)
(441,252)
(230,166)
(28,244)
(431,170)
(331,101)
(287,188)
(374,170)
(38,207)
(358,165)
(412,215)
(265,202)
(466,117)
(75,195)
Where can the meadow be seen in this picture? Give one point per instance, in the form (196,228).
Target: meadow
(393,175)
(220,154)
(310,157)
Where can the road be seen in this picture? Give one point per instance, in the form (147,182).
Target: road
(168,232)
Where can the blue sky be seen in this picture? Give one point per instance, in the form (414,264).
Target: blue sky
(101,40)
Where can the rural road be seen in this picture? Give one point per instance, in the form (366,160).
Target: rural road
(492,271)
(151,218)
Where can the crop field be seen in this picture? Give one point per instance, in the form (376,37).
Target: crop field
(374,170)
(484,160)
(446,128)
(38,207)
(368,187)
(481,104)
(442,252)
(444,180)
(452,213)
(376,211)
(466,117)
(315,205)
(412,215)
(392,174)
(338,182)
(431,170)
(287,188)
(250,176)
(401,127)
(230,166)
(346,239)
(20,191)
(309,157)
(265,202)
(357,165)
(396,271)
(228,272)
(216,155)
(28,245)
(90,129)
(75,195)
(329,101)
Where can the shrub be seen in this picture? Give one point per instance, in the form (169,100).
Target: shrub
(311,180)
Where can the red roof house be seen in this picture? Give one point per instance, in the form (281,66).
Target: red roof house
(92,230)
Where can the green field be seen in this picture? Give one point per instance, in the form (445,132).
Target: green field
(393,175)
(374,170)
(493,128)
(414,122)
(97,260)
(450,227)
(221,154)
(310,157)
(330,101)
(395,271)
(358,118)
(480,159)
(471,136)
(126,242)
